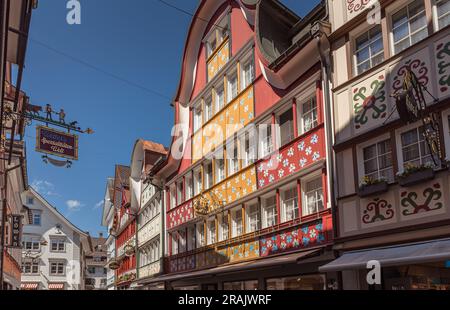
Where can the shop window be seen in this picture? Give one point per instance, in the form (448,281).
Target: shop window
(301,282)
(211,231)
(415,150)
(285,120)
(236,220)
(308,115)
(289,202)
(378,161)
(442,13)
(369,50)
(223,227)
(313,196)
(409,26)
(269,211)
(250,285)
(252,212)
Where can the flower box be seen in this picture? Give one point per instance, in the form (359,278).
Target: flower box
(373,189)
(416,177)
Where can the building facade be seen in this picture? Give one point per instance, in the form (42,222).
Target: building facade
(247,190)
(95,271)
(108,217)
(53,255)
(146,202)
(392,184)
(15,17)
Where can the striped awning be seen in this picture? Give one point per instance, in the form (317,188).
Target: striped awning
(29,286)
(56,286)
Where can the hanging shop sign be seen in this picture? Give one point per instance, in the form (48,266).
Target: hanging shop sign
(58,143)
(16,231)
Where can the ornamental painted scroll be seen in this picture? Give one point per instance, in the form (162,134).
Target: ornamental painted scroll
(432,196)
(370,102)
(377,210)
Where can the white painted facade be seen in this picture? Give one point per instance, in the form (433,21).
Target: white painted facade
(107,221)
(52,254)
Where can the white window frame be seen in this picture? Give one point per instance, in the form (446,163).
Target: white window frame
(436,17)
(237,230)
(266,141)
(211,233)
(360,155)
(232,159)
(304,182)
(218,106)
(371,57)
(173,196)
(394,9)
(198,180)
(58,264)
(189,184)
(191,235)
(198,117)
(284,201)
(247,61)
(265,207)
(248,156)
(58,241)
(174,248)
(285,109)
(250,219)
(180,199)
(35,213)
(223,235)
(230,96)
(209,179)
(219,173)
(208,108)
(200,234)
(398,137)
(301,113)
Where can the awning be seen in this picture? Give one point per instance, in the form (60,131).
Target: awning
(413,253)
(29,286)
(56,286)
(239,267)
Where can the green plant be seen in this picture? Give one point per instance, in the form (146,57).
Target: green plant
(411,169)
(367,181)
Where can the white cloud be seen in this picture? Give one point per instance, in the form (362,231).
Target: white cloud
(74,205)
(44,187)
(99,204)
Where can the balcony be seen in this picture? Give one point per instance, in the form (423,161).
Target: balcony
(150,230)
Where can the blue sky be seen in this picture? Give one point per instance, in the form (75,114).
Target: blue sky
(134,42)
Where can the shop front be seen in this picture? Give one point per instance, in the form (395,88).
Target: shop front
(412,266)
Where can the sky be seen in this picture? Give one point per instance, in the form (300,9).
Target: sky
(116,73)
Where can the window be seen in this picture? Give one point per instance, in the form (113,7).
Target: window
(57,268)
(36,218)
(200,235)
(31,244)
(248,148)
(208,174)
(269,211)
(191,238)
(313,197)
(232,89)
(289,204)
(220,169)
(247,73)
(30,267)
(266,139)
(309,115)
(286,127)
(301,282)
(211,231)
(220,99)
(369,50)
(189,186)
(173,196)
(223,227)
(197,117)
(211,44)
(208,108)
(222,29)
(175,243)
(378,161)
(443,13)
(181,243)
(236,222)
(415,149)
(91,269)
(409,26)
(252,212)
(241,285)
(58,245)
(180,192)
(30,200)
(197,181)
(233,158)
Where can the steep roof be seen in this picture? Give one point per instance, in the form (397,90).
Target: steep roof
(123,175)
